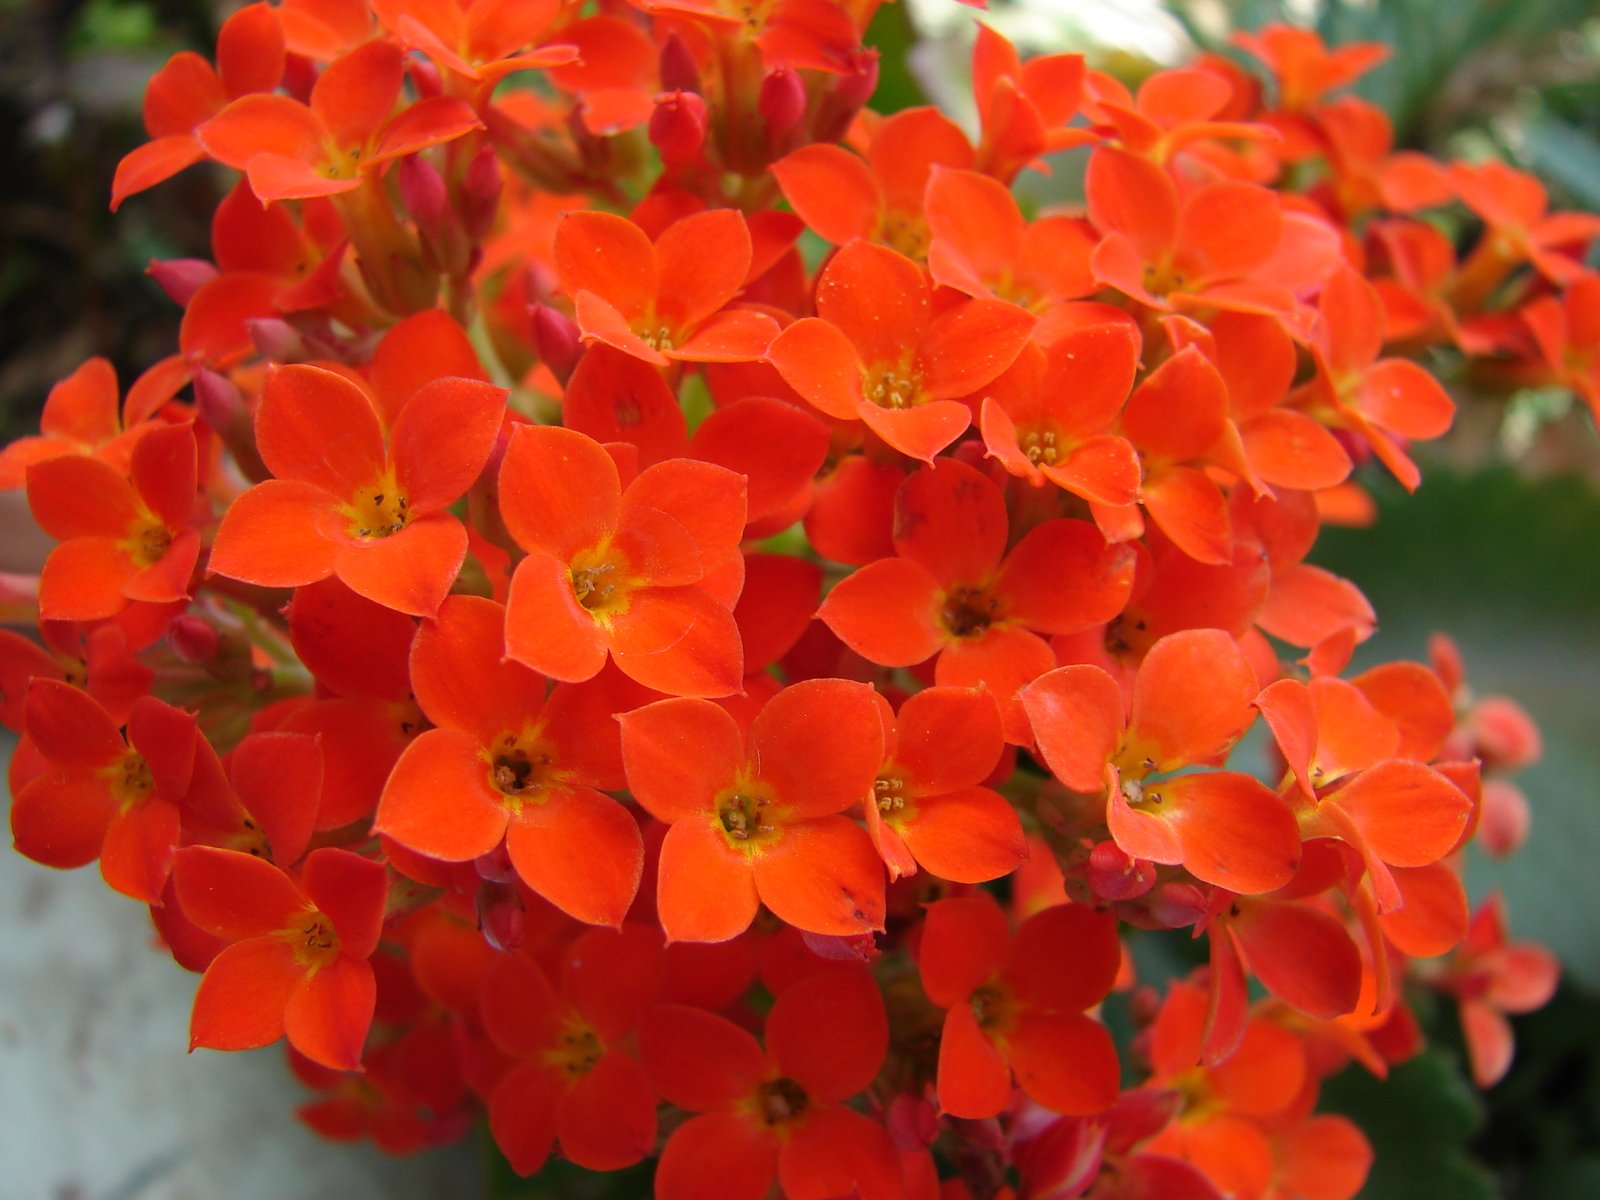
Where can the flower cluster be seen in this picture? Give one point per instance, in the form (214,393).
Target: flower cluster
(632,541)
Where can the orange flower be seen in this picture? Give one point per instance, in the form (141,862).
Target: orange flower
(953,589)
(571,1080)
(297,962)
(481,43)
(187,92)
(1356,390)
(640,575)
(347,133)
(876,353)
(756,819)
(80,417)
(346,503)
(1224,245)
(1048,418)
(1191,703)
(122,539)
(776,1115)
(841,197)
(927,805)
(666,301)
(104,793)
(1013,1013)
(501,763)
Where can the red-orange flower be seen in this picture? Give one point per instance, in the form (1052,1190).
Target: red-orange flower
(104,794)
(1013,1012)
(875,352)
(571,1080)
(757,819)
(346,134)
(954,590)
(1191,702)
(298,959)
(349,502)
(667,300)
(639,575)
(501,763)
(122,538)
(776,1115)
(928,808)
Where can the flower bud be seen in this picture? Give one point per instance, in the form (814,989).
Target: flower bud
(276,341)
(555,338)
(480,194)
(1115,876)
(425,76)
(678,127)
(501,918)
(1503,825)
(782,103)
(856,947)
(495,865)
(220,403)
(423,193)
(679,71)
(850,91)
(192,639)
(181,278)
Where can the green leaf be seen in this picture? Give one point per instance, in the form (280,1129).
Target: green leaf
(1419,1121)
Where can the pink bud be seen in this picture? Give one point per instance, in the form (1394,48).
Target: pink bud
(192,639)
(1505,735)
(912,1121)
(426,77)
(276,340)
(480,194)
(854,947)
(850,91)
(1115,876)
(679,71)
(1177,905)
(500,916)
(542,282)
(556,340)
(180,278)
(1503,825)
(678,126)
(782,101)
(495,865)
(221,405)
(422,191)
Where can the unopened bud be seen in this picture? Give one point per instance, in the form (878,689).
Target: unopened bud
(480,194)
(1115,876)
(276,340)
(679,71)
(495,865)
(221,405)
(850,91)
(853,947)
(422,191)
(782,102)
(192,639)
(501,918)
(1503,825)
(1177,905)
(678,126)
(556,339)
(912,1121)
(425,76)
(180,278)
(225,410)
